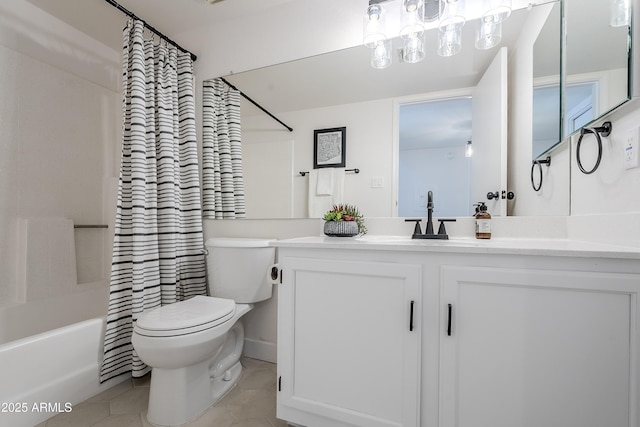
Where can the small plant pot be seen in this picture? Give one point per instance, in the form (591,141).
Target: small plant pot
(341,228)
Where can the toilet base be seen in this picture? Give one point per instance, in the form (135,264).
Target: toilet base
(178,396)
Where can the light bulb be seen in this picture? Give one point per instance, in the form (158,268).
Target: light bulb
(381,54)
(488,32)
(374,26)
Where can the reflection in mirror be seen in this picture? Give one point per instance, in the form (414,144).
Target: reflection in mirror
(342,89)
(433,144)
(597,61)
(546,85)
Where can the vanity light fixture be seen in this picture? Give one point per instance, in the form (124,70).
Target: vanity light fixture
(468,151)
(449,16)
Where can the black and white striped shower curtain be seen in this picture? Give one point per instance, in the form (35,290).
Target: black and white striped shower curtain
(222,177)
(158,244)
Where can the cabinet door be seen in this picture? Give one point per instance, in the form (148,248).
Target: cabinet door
(348,343)
(537,348)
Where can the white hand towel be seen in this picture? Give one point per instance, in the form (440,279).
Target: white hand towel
(319,205)
(324,184)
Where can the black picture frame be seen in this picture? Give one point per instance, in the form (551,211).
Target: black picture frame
(329,148)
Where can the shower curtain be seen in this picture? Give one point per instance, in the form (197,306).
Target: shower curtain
(222,179)
(158,244)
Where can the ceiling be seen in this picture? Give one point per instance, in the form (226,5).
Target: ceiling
(174,18)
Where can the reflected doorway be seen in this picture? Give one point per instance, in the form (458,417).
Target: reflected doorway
(433,137)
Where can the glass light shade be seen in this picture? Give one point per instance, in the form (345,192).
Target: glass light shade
(429,10)
(374,26)
(452,12)
(412,26)
(468,151)
(499,9)
(413,49)
(449,40)
(488,32)
(411,5)
(381,54)
(452,20)
(619,13)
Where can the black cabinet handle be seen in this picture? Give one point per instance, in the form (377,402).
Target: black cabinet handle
(449,321)
(411,317)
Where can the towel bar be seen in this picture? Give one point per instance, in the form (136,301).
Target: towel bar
(90,226)
(354,170)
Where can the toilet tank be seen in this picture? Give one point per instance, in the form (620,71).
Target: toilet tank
(238,268)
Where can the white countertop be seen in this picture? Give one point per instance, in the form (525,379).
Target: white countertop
(509,246)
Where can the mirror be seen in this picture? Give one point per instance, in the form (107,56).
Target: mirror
(546,128)
(340,89)
(596,63)
(596,60)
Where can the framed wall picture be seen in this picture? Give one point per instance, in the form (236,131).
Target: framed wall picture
(329,148)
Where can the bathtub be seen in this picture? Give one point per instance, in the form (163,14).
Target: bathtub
(50,372)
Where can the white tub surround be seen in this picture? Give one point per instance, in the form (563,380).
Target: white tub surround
(389,331)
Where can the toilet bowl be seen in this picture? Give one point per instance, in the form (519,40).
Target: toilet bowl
(194,346)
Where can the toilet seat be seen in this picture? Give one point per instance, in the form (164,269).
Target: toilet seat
(186,317)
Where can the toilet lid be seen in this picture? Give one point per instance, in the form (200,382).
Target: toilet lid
(193,315)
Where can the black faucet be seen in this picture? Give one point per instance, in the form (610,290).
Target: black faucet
(428,232)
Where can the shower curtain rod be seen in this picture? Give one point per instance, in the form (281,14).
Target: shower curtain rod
(150,28)
(256,104)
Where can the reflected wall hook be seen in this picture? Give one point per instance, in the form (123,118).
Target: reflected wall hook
(547,162)
(604,130)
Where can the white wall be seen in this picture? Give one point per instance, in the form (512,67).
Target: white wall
(611,189)
(59,134)
(369,148)
(421,170)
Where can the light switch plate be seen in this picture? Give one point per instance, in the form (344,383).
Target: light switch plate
(377,182)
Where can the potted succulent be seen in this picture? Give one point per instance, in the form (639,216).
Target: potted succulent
(344,220)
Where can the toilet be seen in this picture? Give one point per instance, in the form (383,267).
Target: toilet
(194,346)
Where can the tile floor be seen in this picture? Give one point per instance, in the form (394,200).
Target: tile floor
(252,403)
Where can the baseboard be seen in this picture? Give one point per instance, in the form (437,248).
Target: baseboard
(261,350)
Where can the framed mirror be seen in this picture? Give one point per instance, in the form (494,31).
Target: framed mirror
(547,108)
(595,65)
(597,58)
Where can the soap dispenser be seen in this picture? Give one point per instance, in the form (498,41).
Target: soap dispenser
(483,221)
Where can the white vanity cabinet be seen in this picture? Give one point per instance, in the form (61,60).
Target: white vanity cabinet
(348,343)
(536,348)
(428,335)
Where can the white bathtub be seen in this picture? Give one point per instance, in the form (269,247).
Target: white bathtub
(48,373)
